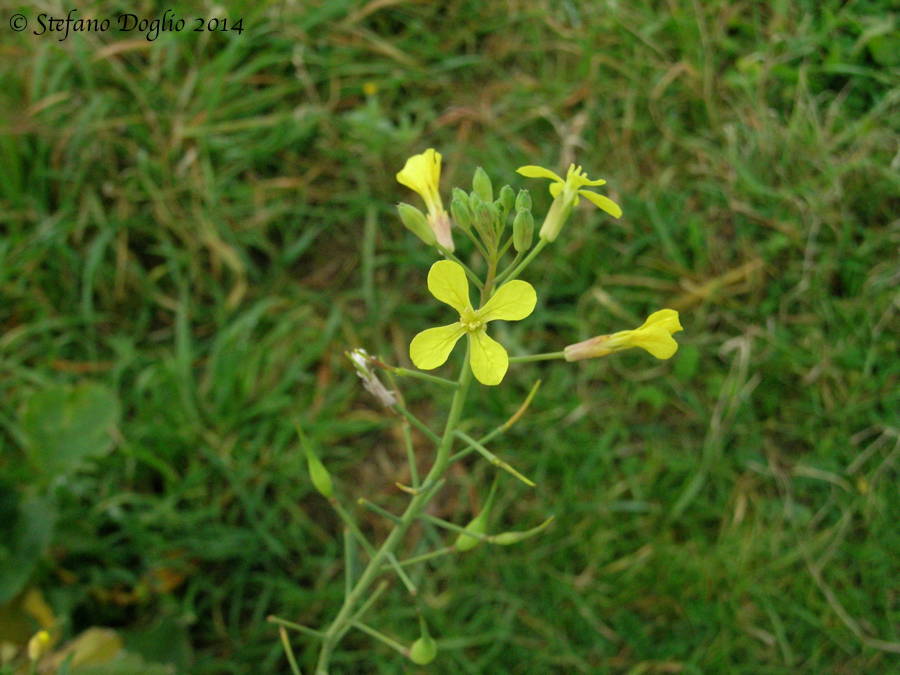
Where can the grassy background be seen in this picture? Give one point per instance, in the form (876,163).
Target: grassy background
(204,223)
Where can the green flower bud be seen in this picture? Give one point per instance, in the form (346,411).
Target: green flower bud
(461,195)
(523,231)
(481,185)
(523,200)
(416,222)
(507,198)
(423,651)
(459,209)
(485,215)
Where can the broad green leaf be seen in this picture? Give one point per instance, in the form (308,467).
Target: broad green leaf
(64,425)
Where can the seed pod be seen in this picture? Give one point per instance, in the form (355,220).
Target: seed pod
(478,525)
(507,538)
(523,200)
(416,222)
(523,231)
(321,479)
(481,185)
(423,651)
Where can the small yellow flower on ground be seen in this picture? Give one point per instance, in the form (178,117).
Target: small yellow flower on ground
(512,301)
(655,336)
(422,173)
(565,194)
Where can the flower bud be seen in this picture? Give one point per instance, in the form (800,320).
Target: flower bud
(459,209)
(485,215)
(523,200)
(416,222)
(523,231)
(507,198)
(481,185)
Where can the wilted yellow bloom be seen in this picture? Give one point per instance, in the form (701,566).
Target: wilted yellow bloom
(422,173)
(565,194)
(655,336)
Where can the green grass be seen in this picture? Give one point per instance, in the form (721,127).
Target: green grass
(205,223)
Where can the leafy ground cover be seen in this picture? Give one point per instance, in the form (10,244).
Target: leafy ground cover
(200,225)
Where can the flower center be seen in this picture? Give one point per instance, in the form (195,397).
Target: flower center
(470,321)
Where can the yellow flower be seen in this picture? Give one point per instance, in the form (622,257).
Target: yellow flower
(39,645)
(655,335)
(422,173)
(513,301)
(566,195)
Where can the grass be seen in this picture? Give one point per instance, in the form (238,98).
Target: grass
(204,223)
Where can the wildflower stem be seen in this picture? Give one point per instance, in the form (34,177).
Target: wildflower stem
(390,642)
(503,427)
(351,525)
(537,357)
(407,436)
(437,553)
(525,263)
(406,372)
(288,650)
(502,276)
(349,560)
(295,626)
(417,423)
(377,509)
(447,525)
(493,459)
(347,615)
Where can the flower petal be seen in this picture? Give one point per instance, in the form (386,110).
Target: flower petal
(664,318)
(532,171)
(555,189)
(513,301)
(422,173)
(602,202)
(488,358)
(430,348)
(656,340)
(447,282)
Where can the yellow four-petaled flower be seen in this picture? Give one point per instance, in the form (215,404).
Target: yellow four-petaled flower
(566,195)
(512,301)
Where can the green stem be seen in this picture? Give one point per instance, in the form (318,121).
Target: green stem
(415,508)
(417,423)
(405,372)
(502,276)
(437,553)
(537,357)
(378,635)
(525,263)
